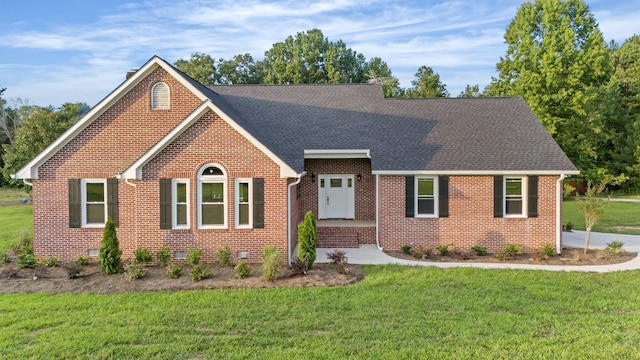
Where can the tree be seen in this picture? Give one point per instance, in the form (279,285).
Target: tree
(307,239)
(555,56)
(200,67)
(377,72)
(242,69)
(470,91)
(110,253)
(427,84)
(592,206)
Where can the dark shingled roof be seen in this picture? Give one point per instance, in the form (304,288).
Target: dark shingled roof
(437,134)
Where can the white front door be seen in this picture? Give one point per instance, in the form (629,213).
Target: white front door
(336,196)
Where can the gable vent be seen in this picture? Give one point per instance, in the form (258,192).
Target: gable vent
(160,96)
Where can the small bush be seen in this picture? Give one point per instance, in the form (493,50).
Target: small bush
(164,256)
(199,272)
(308,239)
(143,256)
(479,250)
(173,271)
(27,260)
(509,252)
(5,258)
(9,272)
(224,256)
(110,254)
(299,267)
(135,270)
(242,270)
(51,262)
(271,263)
(614,248)
(82,260)
(443,249)
(406,249)
(421,253)
(568,226)
(193,256)
(549,250)
(24,244)
(339,258)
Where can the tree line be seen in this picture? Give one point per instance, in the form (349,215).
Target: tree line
(584,91)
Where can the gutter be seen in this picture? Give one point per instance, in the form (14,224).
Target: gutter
(559,190)
(289,187)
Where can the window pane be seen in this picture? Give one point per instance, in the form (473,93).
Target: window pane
(425,206)
(212,192)
(213,214)
(425,187)
(181,214)
(243,214)
(336,183)
(95,192)
(514,206)
(95,213)
(514,187)
(181,192)
(212,170)
(243,192)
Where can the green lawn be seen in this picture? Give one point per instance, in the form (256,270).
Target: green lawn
(395,313)
(12,195)
(617,214)
(13,221)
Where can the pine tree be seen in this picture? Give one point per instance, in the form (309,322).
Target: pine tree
(307,239)
(109,250)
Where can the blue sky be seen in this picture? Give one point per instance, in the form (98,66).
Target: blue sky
(57,51)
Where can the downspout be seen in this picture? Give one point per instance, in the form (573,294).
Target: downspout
(378,212)
(126,181)
(26,182)
(559,191)
(289,250)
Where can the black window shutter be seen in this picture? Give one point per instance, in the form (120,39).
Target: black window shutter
(165,203)
(533,196)
(409,192)
(497,197)
(75,203)
(443,196)
(112,200)
(258,203)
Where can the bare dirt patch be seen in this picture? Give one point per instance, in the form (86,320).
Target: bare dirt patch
(569,257)
(92,280)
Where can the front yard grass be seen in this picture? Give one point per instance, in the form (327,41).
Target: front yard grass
(13,221)
(396,312)
(620,217)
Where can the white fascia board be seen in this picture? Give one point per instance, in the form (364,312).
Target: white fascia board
(30,170)
(475,172)
(338,154)
(135,170)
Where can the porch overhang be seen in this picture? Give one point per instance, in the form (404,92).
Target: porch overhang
(338,154)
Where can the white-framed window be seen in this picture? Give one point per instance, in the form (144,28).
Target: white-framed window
(94,202)
(180,203)
(515,199)
(212,197)
(426,193)
(160,96)
(243,204)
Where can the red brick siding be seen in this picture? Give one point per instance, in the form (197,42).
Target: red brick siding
(470,220)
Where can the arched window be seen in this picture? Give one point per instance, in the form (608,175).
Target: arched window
(212,197)
(160,96)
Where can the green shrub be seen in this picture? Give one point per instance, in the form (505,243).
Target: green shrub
(242,270)
(51,262)
(27,260)
(479,250)
(173,271)
(443,249)
(134,270)
(299,267)
(614,248)
(143,256)
(568,226)
(199,272)
(110,253)
(224,256)
(193,256)
(271,263)
(307,239)
(82,260)
(406,249)
(5,258)
(339,258)
(549,250)
(164,256)
(24,244)
(508,252)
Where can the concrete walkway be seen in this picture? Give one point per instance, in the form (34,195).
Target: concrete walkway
(369,254)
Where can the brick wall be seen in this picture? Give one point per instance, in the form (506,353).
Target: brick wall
(470,220)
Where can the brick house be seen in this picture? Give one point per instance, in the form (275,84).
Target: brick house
(177,163)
